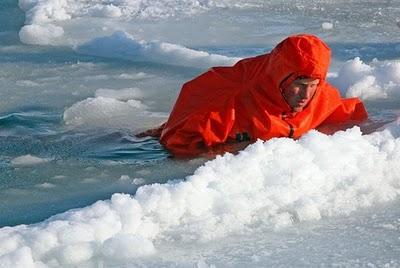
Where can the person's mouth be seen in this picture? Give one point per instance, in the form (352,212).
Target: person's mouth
(301,103)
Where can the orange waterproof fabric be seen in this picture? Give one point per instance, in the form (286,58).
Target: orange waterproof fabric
(244,102)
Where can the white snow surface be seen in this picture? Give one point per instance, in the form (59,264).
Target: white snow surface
(275,183)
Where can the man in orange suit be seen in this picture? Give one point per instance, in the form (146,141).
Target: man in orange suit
(283,93)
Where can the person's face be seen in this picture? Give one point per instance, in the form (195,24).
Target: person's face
(300,92)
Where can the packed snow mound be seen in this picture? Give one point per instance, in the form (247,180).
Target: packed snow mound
(376,80)
(270,184)
(123,46)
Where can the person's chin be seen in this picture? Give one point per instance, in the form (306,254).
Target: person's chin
(297,109)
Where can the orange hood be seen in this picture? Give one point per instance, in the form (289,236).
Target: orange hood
(299,55)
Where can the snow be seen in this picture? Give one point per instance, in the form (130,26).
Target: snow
(276,183)
(47,20)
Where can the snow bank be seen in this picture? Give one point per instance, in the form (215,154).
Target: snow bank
(274,184)
(113,108)
(121,45)
(377,80)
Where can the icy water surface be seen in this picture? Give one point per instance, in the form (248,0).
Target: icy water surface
(79,78)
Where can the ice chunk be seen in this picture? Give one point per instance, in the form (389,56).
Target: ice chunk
(110,11)
(109,112)
(40,35)
(122,45)
(121,94)
(376,80)
(28,160)
(327,25)
(46,185)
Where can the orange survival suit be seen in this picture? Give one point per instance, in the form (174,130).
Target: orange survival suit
(244,102)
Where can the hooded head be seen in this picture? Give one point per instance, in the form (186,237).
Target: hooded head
(302,55)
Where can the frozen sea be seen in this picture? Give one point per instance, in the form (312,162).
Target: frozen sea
(79,77)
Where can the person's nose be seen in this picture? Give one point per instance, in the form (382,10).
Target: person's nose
(306,92)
